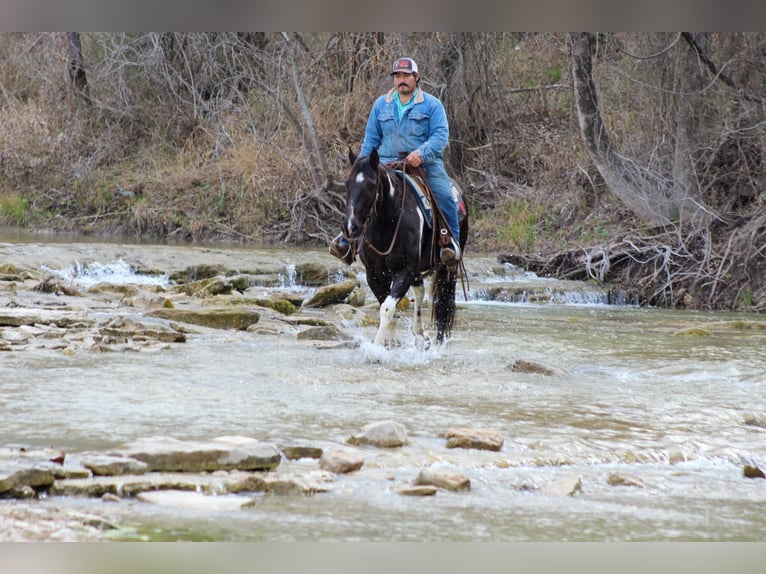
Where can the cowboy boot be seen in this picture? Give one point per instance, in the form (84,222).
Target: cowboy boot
(341,248)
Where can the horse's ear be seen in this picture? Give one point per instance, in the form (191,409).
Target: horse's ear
(374,159)
(351,156)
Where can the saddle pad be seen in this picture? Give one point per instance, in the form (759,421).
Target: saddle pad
(424,202)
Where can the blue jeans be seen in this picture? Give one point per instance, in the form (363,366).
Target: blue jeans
(441,186)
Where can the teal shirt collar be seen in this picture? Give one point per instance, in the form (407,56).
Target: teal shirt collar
(400,107)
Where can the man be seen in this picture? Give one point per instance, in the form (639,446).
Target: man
(408,122)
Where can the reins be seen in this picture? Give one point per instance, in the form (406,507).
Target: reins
(387,172)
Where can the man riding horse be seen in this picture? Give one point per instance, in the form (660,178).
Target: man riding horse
(411,125)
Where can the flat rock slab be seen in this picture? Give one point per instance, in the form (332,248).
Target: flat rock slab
(167,454)
(446,480)
(483,439)
(105,465)
(17,316)
(423,490)
(184,499)
(224,318)
(132,485)
(331,294)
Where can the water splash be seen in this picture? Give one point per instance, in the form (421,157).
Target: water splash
(118,273)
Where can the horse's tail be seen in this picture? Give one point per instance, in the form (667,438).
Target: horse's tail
(443,285)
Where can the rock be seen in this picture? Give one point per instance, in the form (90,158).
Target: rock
(197,273)
(619,479)
(298,452)
(121,329)
(206,288)
(282,306)
(357,298)
(307,321)
(387,434)
(168,454)
(219,318)
(752,472)
(755,421)
(16,474)
(105,465)
(424,490)
(325,333)
(195,501)
(311,274)
(483,439)
(131,485)
(447,480)
(522,366)
(279,483)
(17,316)
(340,461)
(331,294)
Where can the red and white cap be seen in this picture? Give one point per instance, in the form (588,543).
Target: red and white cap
(406,65)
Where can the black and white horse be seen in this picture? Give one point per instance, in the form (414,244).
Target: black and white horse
(398,247)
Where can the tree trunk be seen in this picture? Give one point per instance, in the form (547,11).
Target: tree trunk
(689,101)
(76,67)
(648,199)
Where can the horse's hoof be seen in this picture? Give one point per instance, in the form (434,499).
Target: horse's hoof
(422,342)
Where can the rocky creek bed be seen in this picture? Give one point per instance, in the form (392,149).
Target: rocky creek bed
(42,313)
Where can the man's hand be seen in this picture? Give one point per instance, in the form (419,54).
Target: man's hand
(414,159)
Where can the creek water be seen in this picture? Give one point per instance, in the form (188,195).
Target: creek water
(672,400)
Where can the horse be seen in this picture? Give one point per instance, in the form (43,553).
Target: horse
(398,247)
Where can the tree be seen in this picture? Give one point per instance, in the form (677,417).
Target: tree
(76,67)
(653,198)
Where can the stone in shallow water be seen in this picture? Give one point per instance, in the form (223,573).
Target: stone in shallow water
(340,461)
(387,434)
(297,452)
(442,479)
(483,439)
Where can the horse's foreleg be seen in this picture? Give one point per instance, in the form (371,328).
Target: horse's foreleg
(387,321)
(417,315)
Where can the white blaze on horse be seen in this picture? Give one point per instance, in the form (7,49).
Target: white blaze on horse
(398,247)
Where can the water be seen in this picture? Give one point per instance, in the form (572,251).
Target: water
(631,392)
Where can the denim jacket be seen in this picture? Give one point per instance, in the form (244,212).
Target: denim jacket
(423,127)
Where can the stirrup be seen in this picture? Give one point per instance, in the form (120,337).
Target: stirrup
(341,248)
(450,254)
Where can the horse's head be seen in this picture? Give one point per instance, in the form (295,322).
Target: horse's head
(362,186)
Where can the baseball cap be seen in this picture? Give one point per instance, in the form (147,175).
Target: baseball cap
(406,65)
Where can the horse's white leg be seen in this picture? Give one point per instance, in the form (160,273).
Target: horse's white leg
(387,321)
(417,319)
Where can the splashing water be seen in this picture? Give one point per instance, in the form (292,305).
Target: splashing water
(89,274)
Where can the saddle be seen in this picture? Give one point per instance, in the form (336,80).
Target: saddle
(417,182)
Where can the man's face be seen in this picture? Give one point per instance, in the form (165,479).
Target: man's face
(404,83)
